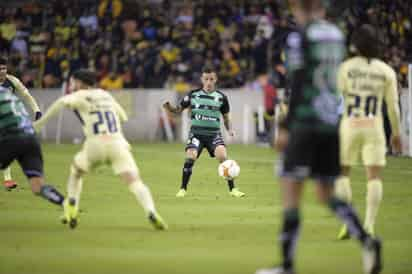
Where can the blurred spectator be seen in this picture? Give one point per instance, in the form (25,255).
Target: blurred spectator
(112,82)
(151,43)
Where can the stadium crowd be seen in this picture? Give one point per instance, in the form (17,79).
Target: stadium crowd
(158,44)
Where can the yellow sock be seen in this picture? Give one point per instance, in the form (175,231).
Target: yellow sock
(373,199)
(343,189)
(74,186)
(7,174)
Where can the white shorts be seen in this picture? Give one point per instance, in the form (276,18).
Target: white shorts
(103,150)
(362,139)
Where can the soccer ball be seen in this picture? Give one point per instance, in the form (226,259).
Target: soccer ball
(228,169)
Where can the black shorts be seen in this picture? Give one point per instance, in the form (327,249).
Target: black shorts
(26,150)
(199,142)
(311,154)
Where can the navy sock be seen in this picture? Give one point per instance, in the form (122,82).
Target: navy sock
(50,193)
(289,236)
(187,172)
(348,215)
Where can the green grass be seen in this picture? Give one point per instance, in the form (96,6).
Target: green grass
(210,232)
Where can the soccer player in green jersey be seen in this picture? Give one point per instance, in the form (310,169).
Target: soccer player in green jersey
(14,84)
(308,138)
(207,106)
(19,142)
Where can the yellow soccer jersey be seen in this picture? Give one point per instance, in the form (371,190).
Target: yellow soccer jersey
(364,84)
(97,110)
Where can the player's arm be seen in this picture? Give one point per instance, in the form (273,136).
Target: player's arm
(184,103)
(392,102)
(23,93)
(227,119)
(56,107)
(120,111)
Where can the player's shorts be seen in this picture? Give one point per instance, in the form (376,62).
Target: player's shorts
(26,150)
(310,153)
(364,141)
(102,150)
(199,142)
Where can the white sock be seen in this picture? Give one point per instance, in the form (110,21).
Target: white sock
(74,186)
(7,174)
(373,199)
(143,196)
(343,189)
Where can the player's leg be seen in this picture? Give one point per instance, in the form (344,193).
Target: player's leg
(221,155)
(291,194)
(191,156)
(350,148)
(374,195)
(294,167)
(371,247)
(78,168)
(144,197)
(325,170)
(31,161)
(8,183)
(193,149)
(124,165)
(374,159)
(343,191)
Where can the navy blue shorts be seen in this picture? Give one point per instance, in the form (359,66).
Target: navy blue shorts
(27,151)
(199,142)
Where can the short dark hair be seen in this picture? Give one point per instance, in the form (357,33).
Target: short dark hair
(86,76)
(366,41)
(3,60)
(208,69)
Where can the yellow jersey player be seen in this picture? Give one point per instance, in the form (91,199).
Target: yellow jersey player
(12,83)
(365,81)
(101,118)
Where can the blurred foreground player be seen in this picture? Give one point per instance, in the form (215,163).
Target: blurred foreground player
(308,138)
(101,118)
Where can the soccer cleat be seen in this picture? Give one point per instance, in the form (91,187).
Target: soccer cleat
(236,193)
(372,261)
(157,221)
(344,233)
(70,213)
(275,270)
(9,184)
(181,193)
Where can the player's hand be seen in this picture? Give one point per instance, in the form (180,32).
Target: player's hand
(37,115)
(396,144)
(281,140)
(167,106)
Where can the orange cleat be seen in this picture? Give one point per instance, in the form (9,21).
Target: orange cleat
(10,184)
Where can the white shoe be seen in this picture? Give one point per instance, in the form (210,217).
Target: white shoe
(372,261)
(275,270)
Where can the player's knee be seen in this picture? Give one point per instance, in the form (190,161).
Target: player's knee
(75,171)
(35,184)
(191,154)
(220,153)
(130,177)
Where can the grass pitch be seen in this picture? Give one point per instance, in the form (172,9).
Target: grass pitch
(210,232)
